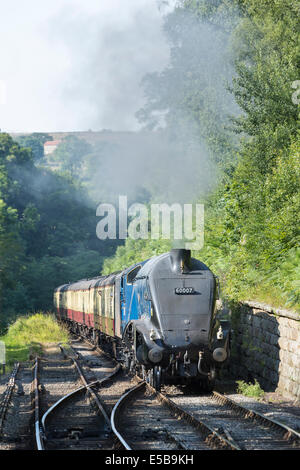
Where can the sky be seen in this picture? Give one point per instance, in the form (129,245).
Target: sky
(70,65)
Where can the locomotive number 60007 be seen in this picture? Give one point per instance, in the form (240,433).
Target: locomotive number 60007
(184,290)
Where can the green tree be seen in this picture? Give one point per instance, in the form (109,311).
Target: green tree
(47,232)
(70,154)
(267,51)
(252,218)
(12,157)
(35,142)
(260,202)
(11,250)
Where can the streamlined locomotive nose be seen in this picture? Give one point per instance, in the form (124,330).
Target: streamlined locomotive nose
(183,308)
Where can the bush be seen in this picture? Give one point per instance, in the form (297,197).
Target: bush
(27,333)
(249,389)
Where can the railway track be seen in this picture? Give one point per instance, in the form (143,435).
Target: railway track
(7,396)
(224,424)
(245,428)
(16,409)
(109,411)
(155,422)
(202,422)
(77,420)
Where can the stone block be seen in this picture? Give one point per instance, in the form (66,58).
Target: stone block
(283,343)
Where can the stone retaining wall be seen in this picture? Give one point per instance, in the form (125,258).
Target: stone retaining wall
(266,346)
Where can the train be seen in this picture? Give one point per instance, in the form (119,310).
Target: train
(157,317)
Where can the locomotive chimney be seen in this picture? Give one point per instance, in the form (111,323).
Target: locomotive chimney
(180,260)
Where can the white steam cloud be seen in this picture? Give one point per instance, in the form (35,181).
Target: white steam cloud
(73,65)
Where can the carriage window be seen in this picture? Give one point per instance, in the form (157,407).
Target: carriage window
(132,274)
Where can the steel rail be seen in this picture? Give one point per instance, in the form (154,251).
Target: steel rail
(7,395)
(229,442)
(62,400)
(37,427)
(87,386)
(94,346)
(92,393)
(81,356)
(288,432)
(115,414)
(207,430)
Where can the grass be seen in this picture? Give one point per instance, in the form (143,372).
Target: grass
(250,389)
(27,333)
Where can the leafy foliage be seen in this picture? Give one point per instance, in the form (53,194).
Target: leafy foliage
(134,251)
(70,153)
(26,334)
(229,85)
(249,389)
(261,202)
(47,232)
(252,50)
(35,142)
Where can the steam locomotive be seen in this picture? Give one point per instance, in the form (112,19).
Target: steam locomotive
(158,317)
